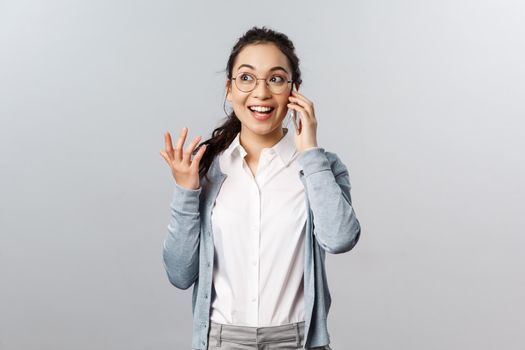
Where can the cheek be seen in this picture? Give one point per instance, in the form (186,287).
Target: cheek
(239,100)
(283,110)
(239,105)
(283,103)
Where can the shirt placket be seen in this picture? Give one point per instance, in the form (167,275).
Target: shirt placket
(254,250)
(254,257)
(255,235)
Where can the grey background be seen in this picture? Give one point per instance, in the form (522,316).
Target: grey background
(423,100)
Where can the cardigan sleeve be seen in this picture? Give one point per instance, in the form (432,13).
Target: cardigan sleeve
(181,245)
(336,227)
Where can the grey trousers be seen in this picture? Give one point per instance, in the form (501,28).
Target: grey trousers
(285,337)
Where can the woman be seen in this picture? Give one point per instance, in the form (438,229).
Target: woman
(256,209)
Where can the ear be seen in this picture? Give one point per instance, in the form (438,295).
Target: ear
(228,90)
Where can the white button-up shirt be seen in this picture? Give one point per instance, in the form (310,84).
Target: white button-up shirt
(258,226)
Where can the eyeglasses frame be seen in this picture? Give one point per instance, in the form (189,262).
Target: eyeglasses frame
(257,82)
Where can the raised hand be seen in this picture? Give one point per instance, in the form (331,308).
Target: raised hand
(306,128)
(185,170)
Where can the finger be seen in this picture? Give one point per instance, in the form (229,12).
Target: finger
(303,112)
(186,157)
(303,103)
(168,145)
(180,144)
(166,157)
(302,97)
(304,119)
(198,156)
(308,114)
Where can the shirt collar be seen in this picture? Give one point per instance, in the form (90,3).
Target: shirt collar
(284,148)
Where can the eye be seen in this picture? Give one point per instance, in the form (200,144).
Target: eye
(277,79)
(245,77)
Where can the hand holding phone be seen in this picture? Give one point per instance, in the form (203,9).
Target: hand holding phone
(296,119)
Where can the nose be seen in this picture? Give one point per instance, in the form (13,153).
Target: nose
(262,90)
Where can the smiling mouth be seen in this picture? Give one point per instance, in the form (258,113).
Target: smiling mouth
(261,113)
(261,110)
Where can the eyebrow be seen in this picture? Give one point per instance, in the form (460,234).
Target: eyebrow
(271,69)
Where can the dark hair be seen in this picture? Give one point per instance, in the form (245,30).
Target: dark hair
(222,136)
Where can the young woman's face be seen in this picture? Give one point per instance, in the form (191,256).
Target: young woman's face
(263,61)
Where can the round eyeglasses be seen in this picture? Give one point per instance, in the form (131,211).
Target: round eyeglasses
(247,82)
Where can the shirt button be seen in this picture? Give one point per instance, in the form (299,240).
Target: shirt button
(253,299)
(205,296)
(254,263)
(209,264)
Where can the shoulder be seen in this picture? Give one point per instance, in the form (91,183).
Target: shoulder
(214,172)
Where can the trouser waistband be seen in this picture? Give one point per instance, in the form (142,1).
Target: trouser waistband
(257,335)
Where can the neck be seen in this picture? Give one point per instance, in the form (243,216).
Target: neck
(254,143)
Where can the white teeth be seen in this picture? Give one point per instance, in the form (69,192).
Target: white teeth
(260,109)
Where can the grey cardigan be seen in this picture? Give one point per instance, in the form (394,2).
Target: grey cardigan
(188,249)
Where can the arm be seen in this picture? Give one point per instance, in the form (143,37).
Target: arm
(336,227)
(181,245)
